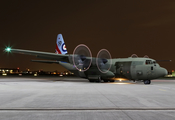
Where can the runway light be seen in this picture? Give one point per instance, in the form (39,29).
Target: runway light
(4,74)
(8,49)
(35,74)
(20,74)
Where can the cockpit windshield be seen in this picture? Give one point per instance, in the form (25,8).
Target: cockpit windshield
(148,62)
(154,62)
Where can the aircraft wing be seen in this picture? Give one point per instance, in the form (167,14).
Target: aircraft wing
(45,61)
(43,55)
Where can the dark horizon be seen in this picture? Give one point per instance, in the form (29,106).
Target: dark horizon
(123,27)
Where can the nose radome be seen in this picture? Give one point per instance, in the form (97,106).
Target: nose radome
(164,72)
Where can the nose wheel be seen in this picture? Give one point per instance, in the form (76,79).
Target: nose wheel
(147,82)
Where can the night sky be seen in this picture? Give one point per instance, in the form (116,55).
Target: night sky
(124,27)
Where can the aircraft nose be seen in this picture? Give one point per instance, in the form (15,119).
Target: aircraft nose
(166,72)
(163,72)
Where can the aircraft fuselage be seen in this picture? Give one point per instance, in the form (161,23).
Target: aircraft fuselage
(129,68)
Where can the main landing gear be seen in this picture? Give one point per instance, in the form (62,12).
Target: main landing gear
(147,82)
(99,80)
(96,80)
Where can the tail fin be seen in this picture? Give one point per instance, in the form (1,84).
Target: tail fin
(60,45)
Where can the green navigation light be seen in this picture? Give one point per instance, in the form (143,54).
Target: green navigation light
(8,49)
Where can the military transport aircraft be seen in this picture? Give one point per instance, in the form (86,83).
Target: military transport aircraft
(99,68)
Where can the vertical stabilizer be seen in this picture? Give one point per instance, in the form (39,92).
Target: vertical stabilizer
(60,45)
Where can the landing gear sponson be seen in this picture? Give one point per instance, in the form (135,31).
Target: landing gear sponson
(99,80)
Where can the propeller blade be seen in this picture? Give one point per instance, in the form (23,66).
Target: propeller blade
(82,57)
(103,61)
(134,56)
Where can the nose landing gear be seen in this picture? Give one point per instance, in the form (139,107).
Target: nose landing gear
(147,82)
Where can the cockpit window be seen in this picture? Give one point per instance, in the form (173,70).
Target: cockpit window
(148,62)
(154,62)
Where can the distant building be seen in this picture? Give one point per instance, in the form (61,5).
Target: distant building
(173,73)
(9,70)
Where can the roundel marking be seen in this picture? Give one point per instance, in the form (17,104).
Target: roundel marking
(63,47)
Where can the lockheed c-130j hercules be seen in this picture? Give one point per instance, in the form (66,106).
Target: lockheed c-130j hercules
(99,68)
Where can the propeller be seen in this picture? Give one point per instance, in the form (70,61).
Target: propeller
(134,56)
(104,61)
(146,56)
(82,57)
